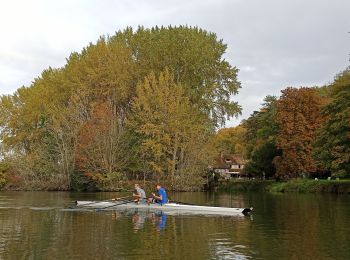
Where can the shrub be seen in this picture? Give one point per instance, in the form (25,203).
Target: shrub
(2,180)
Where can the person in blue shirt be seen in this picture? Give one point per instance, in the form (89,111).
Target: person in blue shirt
(160,220)
(161,197)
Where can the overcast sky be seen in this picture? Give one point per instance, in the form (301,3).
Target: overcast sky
(274,43)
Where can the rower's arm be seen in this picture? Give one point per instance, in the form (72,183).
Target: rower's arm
(138,195)
(158,197)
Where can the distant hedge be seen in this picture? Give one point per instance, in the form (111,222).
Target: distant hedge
(312,186)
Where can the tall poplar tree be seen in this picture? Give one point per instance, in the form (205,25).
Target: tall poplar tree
(169,128)
(195,58)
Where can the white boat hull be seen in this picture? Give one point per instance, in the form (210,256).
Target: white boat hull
(170,208)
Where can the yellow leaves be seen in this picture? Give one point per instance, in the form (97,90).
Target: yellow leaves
(231,141)
(165,120)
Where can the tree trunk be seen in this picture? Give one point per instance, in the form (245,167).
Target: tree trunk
(173,166)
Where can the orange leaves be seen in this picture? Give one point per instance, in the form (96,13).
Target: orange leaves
(298,116)
(99,141)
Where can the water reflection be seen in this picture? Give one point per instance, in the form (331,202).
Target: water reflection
(40,226)
(160,220)
(139,218)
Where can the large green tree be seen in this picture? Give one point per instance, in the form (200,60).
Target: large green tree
(195,57)
(261,132)
(332,146)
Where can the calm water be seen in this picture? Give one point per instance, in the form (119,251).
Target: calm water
(40,225)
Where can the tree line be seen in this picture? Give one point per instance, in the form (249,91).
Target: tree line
(139,104)
(303,133)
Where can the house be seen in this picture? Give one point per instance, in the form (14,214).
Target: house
(229,166)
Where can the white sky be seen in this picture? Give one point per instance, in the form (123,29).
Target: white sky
(274,43)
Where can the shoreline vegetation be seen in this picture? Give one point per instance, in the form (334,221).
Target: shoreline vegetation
(312,186)
(150,105)
(291,186)
(294,185)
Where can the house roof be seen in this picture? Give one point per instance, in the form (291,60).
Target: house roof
(225,161)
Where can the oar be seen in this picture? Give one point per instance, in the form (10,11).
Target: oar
(91,203)
(125,202)
(122,198)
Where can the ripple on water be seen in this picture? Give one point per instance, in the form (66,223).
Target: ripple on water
(76,210)
(16,208)
(222,247)
(43,208)
(227,250)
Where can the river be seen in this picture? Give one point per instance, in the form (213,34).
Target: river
(44,225)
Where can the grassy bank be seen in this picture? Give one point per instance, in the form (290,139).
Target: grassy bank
(244,185)
(312,186)
(297,185)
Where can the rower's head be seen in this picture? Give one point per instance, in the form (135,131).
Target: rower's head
(136,185)
(158,186)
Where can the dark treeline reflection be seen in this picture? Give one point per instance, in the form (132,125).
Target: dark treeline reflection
(41,226)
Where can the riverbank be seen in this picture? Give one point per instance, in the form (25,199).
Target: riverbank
(312,186)
(297,185)
(89,186)
(244,185)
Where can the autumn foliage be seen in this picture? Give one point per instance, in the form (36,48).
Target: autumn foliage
(305,132)
(139,103)
(298,117)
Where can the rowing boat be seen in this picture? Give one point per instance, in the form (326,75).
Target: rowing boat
(166,208)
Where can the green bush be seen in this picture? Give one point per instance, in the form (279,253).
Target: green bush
(245,185)
(2,180)
(109,182)
(313,186)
